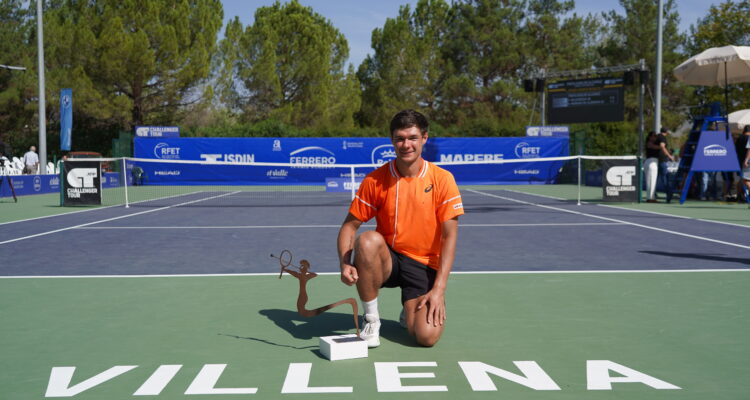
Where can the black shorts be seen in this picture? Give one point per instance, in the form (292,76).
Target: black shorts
(413,277)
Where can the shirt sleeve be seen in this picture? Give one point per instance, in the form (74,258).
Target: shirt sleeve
(450,204)
(364,204)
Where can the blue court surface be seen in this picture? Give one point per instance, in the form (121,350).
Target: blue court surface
(549,300)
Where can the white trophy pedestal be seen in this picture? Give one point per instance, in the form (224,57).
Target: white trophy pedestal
(343,347)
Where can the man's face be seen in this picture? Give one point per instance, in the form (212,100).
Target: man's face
(408,143)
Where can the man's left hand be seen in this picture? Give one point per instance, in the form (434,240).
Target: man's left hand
(435,302)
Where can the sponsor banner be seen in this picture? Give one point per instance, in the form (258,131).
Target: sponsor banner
(548,131)
(715,152)
(341,185)
(157,131)
(328,151)
(30,184)
(620,180)
(82,183)
(66,118)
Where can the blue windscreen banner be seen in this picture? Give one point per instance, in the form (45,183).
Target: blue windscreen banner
(302,151)
(715,152)
(24,185)
(66,119)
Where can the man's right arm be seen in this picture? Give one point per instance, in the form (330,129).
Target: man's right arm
(345,244)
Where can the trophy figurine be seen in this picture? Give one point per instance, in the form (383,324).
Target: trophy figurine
(340,347)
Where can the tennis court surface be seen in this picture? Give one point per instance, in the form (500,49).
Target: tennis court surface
(549,300)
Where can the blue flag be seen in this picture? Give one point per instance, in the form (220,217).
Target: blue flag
(66,118)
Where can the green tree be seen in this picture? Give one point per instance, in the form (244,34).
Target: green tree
(631,37)
(129,62)
(17,88)
(726,24)
(407,69)
(289,66)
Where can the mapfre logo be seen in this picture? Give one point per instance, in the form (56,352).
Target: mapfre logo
(525,150)
(383,153)
(621,175)
(164,151)
(715,150)
(82,177)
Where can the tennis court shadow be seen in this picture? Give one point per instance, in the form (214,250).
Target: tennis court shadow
(331,323)
(695,256)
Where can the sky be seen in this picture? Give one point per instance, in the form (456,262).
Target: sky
(356,19)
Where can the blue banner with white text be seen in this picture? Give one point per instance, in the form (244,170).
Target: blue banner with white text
(331,151)
(66,119)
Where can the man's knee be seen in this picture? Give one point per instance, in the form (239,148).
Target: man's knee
(428,337)
(369,244)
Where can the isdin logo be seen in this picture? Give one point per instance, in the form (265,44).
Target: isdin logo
(82,177)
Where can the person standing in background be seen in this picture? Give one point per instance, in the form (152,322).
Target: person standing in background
(665,156)
(30,161)
(651,166)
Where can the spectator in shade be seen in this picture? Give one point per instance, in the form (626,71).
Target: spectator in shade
(651,166)
(665,157)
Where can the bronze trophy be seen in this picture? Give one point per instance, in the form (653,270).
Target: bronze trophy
(333,347)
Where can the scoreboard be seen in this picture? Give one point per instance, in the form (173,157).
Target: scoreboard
(586,100)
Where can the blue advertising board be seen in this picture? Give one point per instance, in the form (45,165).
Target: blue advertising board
(335,151)
(30,184)
(715,152)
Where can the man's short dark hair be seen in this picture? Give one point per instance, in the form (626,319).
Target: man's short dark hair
(407,119)
(663,130)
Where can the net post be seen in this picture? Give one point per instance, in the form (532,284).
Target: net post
(125,180)
(354,191)
(579,180)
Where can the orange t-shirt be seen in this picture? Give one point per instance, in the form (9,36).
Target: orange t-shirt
(409,211)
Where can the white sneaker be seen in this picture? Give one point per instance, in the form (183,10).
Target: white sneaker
(402,318)
(371,332)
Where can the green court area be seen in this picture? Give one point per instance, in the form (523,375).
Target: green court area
(511,336)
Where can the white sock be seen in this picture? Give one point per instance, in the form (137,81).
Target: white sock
(371,307)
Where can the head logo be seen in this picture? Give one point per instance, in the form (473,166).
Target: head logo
(313,155)
(82,177)
(621,175)
(163,151)
(383,153)
(714,150)
(524,150)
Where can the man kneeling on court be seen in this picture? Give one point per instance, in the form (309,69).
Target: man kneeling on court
(416,205)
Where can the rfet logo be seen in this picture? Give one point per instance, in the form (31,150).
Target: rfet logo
(164,151)
(383,153)
(82,177)
(525,150)
(621,175)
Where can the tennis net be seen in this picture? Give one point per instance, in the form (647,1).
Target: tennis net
(159,183)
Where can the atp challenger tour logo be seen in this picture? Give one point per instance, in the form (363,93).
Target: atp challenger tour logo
(390,377)
(81,180)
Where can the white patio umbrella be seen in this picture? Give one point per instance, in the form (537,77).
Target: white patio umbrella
(717,66)
(738,120)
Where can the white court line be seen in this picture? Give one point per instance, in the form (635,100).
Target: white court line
(113,219)
(337,226)
(564,272)
(614,220)
(633,209)
(96,208)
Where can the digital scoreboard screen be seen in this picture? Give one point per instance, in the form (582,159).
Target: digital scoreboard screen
(585,100)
